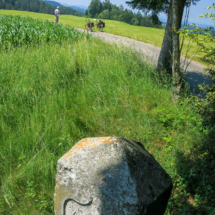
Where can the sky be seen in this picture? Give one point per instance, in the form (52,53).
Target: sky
(195,11)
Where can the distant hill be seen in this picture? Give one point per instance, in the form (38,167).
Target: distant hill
(164,20)
(80,6)
(36,6)
(54,3)
(79,9)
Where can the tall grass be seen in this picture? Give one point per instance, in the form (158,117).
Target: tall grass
(53,96)
(149,35)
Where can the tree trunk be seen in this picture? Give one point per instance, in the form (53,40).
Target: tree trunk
(177,11)
(165,57)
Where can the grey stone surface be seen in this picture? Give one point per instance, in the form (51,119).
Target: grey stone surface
(110,176)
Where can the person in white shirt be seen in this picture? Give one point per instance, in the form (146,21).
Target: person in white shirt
(57,13)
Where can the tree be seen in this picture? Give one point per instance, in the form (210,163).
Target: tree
(106,5)
(106,10)
(164,61)
(138,16)
(135,21)
(104,15)
(95,8)
(86,12)
(155,7)
(35,6)
(127,16)
(177,8)
(121,8)
(146,21)
(115,13)
(205,38)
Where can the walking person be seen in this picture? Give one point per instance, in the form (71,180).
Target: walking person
(57,13)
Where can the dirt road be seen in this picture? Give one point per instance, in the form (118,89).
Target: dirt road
(151,53)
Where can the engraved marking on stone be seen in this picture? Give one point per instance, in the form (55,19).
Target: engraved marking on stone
(82,204)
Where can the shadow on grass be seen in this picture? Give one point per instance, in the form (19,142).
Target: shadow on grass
(194,187)
(194,79)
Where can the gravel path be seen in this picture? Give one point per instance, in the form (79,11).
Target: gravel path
(151,53)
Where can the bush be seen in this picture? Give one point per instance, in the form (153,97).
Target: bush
(194,186)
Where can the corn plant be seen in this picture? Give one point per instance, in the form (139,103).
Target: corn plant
(17,31)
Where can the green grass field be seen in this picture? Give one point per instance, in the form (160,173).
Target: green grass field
(53,96)
(148,35)
(54,93)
